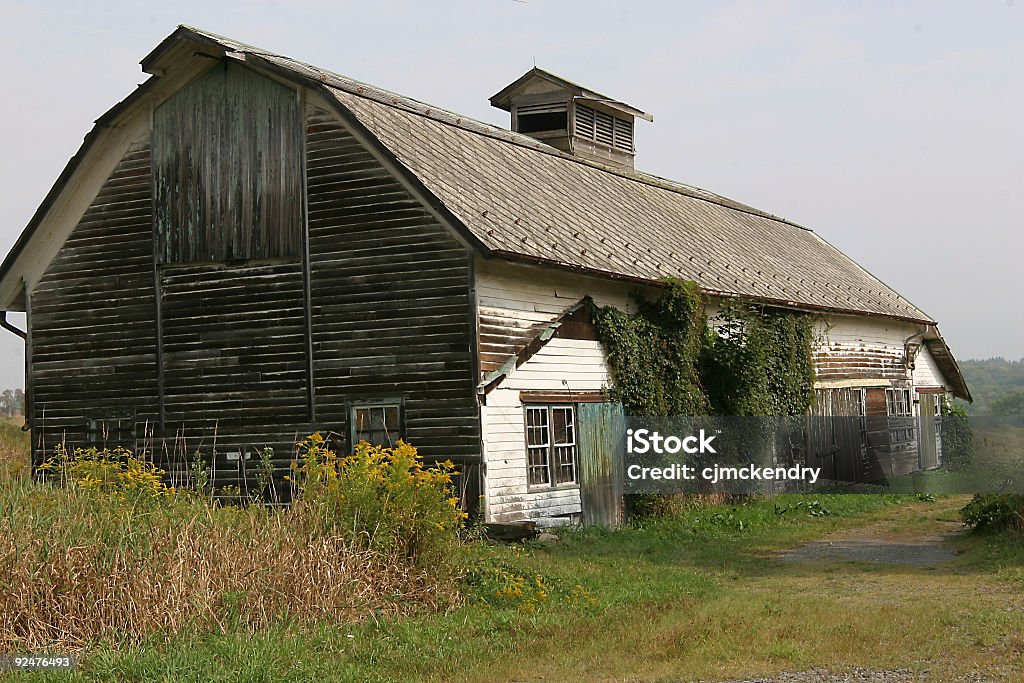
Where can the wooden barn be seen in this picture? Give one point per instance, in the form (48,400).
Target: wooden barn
(249,248)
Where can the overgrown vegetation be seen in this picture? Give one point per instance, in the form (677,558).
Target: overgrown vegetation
(654,354)
(758,361)
(14,450)
(700,596)
(115,554)
(666,360)
(995,511)
(957,437)
(386,499)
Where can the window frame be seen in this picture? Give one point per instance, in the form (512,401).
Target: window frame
(899,403)
(554,460)
(370,404)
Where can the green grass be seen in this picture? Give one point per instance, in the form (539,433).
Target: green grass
(696,596)
(699,596)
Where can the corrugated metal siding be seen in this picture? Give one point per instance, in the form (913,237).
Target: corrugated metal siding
(93,332)
(227,153)
(601,425)
(391,299)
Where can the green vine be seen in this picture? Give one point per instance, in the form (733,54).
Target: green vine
(666,360)
(654,354)
(758,361)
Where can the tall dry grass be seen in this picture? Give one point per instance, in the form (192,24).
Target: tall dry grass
(80,564)
(14,449)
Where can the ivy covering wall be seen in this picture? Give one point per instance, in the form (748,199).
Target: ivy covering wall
(666,359)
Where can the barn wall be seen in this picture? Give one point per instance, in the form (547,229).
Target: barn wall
(926,370)
(853,349)
(508,497)
(391,303)
(93,336)
(234,357)
(516,302)
(227,162)
(388,314)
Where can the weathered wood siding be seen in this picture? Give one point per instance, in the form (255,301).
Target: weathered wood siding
(835,442)
(244,345)
(234,356)
(93,335)
(508,497)
(227,159)
(392,310)
(860,348)
(516,302)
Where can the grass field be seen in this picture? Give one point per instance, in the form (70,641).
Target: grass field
(699,597)
(702,596)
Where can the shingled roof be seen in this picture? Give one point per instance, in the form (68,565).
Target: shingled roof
(522,199)
(515,197)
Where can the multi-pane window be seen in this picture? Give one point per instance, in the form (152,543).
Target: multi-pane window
(377,424)
(112,430)
(900,405)
(860,398)
(551,445)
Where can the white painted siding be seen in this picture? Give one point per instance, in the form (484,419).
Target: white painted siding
(861,351)
(507,496)
(516,301)
(926,371)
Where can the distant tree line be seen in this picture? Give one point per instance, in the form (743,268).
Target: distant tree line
(997,385)
(12,402)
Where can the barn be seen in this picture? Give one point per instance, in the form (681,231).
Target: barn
(249,248)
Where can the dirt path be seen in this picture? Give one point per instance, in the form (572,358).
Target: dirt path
(910,552)
(881,543)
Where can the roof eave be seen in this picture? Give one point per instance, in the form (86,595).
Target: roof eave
(101,124)
(766,300)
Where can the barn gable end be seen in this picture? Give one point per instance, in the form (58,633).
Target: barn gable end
(250,296)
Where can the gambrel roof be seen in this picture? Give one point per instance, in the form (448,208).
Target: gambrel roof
(511,196)
(514,197)
(521,199)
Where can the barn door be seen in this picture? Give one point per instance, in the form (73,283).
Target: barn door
(926,430)
(600,431)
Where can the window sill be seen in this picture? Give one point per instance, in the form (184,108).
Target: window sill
(541,488)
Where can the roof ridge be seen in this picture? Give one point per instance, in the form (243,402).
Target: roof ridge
(469,124)
(390,98)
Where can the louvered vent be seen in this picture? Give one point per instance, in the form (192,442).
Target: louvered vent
(570,118)
(602,127)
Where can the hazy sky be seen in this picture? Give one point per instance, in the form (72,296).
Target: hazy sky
(893,129)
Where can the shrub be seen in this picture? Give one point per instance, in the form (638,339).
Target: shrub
(957,437)
(994,511)
(115,554)
(385,497)
(118,472)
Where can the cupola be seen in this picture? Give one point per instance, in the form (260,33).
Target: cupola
(570,117)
